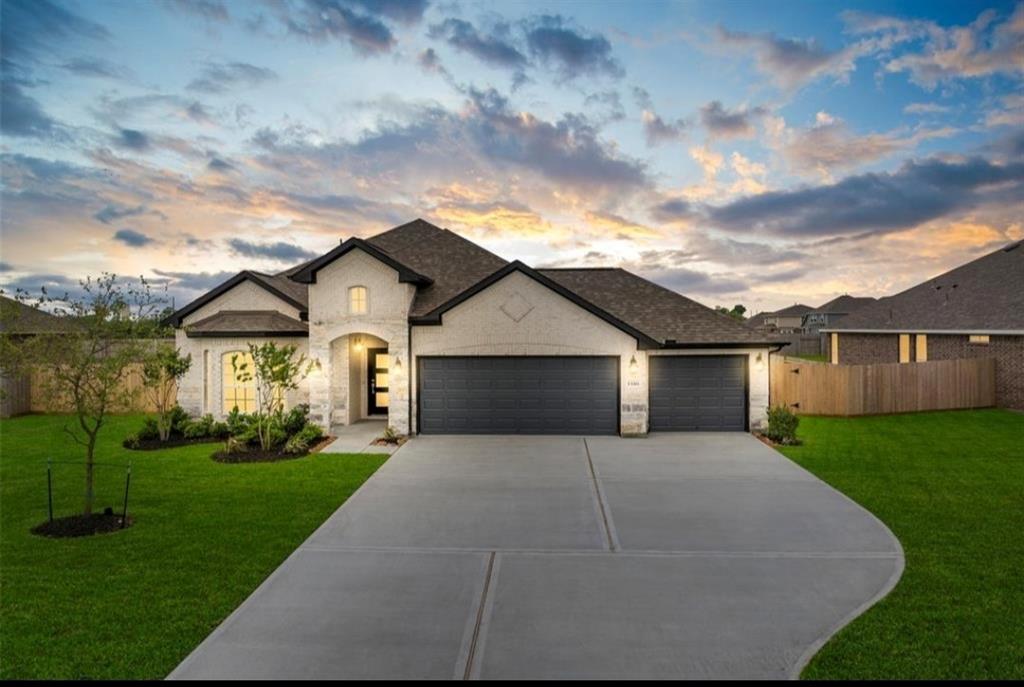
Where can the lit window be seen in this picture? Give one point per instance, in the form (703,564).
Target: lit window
(241,395)
(904,348)
(921,350)
(978,339)
(357,300)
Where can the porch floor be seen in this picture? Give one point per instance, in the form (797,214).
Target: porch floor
(358,437)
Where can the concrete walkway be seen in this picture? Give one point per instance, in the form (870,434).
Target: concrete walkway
(358,438)
(676,556)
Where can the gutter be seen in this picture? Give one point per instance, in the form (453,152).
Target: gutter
(918,330)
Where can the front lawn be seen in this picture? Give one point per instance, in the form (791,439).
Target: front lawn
(133,604)
(950,485)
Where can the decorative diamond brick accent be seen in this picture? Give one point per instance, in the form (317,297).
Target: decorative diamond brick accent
(516,307)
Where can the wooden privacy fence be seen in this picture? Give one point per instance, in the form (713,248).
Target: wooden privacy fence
(813,388)
(40,403)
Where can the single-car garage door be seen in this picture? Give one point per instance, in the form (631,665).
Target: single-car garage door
(698,393)
(519,395)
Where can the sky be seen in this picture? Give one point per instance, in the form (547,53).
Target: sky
(755,152)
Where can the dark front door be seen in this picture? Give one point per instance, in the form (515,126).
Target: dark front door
(377,364)
(519,395)
(693,393)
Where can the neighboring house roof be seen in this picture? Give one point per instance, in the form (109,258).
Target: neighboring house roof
(843,305)
(985,295)
(20,318)
(448,269)
(662,314)
(797,309)
(234,323)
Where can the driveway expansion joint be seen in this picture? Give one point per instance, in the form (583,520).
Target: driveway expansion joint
(606,519)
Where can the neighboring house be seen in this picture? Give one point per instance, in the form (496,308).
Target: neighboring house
(973,311)
(831,313)
(20,320)
(786,321)
(437,335)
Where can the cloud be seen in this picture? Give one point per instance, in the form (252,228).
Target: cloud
(985,47)
(494,47)
(31,28)
(360,23)
(280,251)
(132,139)
(22,115)
(918,192)
(223,77)
(658,131)
(112,213)
(610,100)
(618,227)
(790,63)
(663,267)
(723,123)
(97,67)
(673,210)
(190,283)
(1009,113)
(135,239)
(212,10)
(830,145)
(925,108)
(568,50)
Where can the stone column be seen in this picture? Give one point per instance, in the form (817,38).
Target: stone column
(398,382)
(633,394)
(320,379)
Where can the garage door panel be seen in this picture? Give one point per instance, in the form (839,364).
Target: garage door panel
(519,395)
(698,393)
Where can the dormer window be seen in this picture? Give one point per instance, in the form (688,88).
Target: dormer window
(357,300)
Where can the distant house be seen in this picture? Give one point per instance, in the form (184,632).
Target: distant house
(831,313)
(786,321)
(973,311)
(20,320)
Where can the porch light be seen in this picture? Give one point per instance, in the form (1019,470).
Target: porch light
(759,361)
(398,363)
(632,362)
(359,344)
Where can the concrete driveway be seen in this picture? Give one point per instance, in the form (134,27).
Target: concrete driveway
(675,556)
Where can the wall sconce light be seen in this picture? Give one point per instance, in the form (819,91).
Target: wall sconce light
(759,361)
(398,363)
(632,362)
(358,344)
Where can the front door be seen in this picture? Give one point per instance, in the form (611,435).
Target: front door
(377,362)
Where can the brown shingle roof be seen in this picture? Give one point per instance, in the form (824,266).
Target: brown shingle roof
(20,318)
(247,323)
(454,263)
(662,314)
(984,295)
(844,305)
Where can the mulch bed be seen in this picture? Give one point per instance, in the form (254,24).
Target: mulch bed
(394,444)
(255,455)
(81,526)
(156,444)
(774,444)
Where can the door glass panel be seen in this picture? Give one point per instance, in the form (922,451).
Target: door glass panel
(382,379)
(383,361)
(382,399)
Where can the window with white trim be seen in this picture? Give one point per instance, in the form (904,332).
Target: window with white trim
(236,394)
(357,300)
(979,339)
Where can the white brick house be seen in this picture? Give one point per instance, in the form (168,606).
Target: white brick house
(437,335)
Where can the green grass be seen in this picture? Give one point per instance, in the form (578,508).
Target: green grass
(813,357)
(133,604)
(950,485)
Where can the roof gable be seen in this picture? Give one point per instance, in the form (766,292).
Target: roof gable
(269,283)
(307,273)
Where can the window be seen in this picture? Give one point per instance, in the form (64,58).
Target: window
(904,348)
(921,348)
(834,341)
(357,300)
(980,339)
(241,395)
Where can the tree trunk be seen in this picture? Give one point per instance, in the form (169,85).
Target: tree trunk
(89,491)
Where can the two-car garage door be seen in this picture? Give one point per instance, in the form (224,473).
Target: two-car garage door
(576,395)
(519,395)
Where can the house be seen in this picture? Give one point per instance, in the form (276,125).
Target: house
(18,319)
(831,313)
(786,321)
(438,335)
(973,311)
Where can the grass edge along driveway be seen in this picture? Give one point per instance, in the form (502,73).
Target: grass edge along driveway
(133,604)
(950,485)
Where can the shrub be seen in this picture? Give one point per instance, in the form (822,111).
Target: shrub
(178,418)
(782,424)
(131,441)
(390,435)
(301,441)
(149,430)
(199,428)
(295,420)
(219,430)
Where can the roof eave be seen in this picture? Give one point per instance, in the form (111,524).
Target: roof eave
(175,319)
(307,275)
(922,330)
(243,334)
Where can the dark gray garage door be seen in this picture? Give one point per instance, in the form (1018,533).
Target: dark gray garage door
(698,393)
(518,395)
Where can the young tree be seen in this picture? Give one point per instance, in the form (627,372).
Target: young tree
(162,370)
(84,357)
(275,371)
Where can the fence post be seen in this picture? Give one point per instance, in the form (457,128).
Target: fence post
(49,487)
(124,510)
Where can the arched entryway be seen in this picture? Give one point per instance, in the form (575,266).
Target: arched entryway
(360,378)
